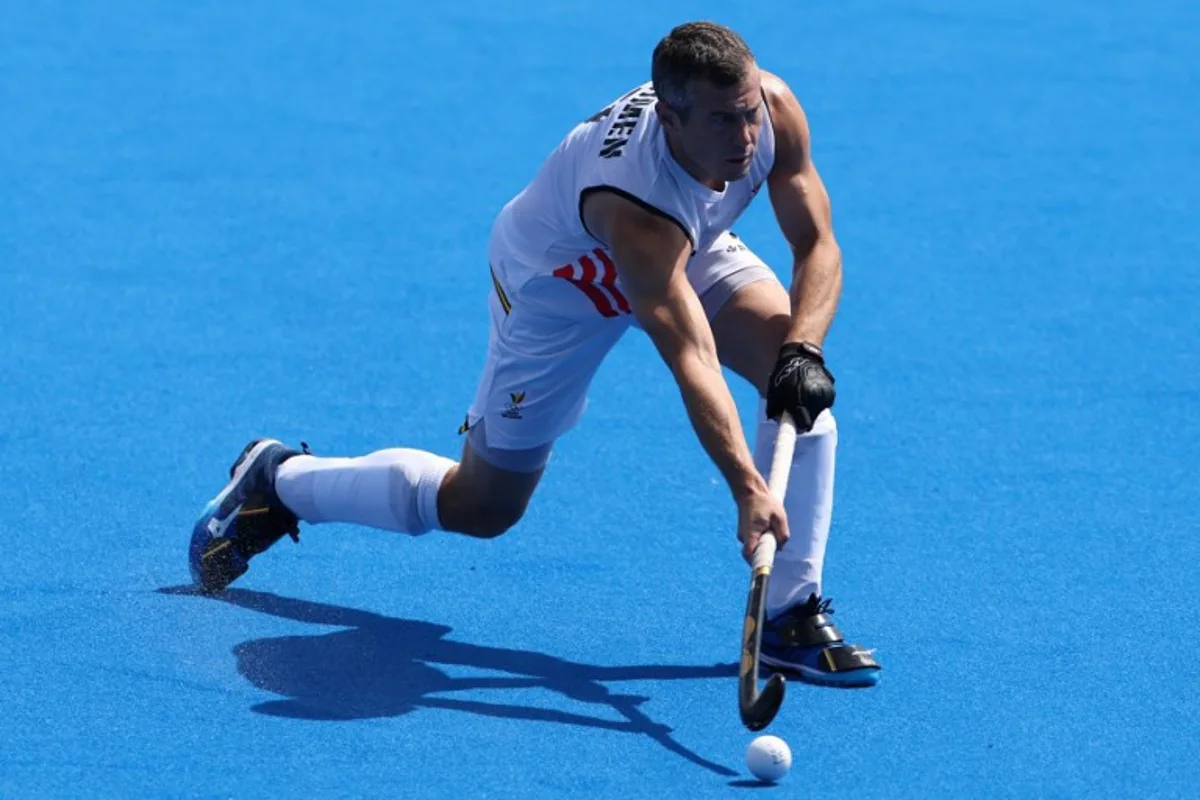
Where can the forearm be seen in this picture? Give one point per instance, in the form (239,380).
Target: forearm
(816,290)
(714,417)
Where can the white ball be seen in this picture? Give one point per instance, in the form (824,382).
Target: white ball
(768,758)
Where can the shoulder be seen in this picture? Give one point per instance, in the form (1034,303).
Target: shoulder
(788,120)
(781,100)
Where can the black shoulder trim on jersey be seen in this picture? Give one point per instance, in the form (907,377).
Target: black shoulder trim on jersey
(658,212)
(771,122)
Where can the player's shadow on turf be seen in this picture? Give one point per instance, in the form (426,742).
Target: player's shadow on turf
(381,666)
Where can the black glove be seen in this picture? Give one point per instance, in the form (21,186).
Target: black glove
(800,385)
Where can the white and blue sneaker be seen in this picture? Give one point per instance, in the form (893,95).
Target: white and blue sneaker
(803,641)
(245,519)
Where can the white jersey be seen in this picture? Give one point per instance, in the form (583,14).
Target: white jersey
(622,149)
(558,306)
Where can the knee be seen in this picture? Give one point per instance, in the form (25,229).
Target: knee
(488,522)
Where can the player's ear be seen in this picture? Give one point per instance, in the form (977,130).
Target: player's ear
(667,116)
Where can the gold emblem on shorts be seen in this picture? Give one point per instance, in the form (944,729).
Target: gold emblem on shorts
(512,409)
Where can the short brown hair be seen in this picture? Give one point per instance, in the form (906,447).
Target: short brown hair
(697,51)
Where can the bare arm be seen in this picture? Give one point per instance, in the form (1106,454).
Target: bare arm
(802,209)
(650,253)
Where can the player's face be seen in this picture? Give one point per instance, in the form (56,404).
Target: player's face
(720,133)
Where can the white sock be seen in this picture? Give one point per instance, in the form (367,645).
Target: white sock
(394,489)
(809,506)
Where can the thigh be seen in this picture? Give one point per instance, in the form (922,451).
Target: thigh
(544,349)
(747,306)
(719,272)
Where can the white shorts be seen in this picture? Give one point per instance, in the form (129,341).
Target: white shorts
(550,332)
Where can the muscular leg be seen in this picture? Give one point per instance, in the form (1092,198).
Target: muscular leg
(412,491)
(749,330)
(481,499)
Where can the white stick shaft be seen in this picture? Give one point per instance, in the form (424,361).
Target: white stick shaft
(777,481)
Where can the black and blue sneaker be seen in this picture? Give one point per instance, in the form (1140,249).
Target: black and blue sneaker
(245,519)
(803,641)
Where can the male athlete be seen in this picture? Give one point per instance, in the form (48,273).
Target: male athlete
(627,223)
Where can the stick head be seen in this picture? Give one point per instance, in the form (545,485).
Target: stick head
(760,709)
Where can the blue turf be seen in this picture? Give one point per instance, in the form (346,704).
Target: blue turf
(224,220)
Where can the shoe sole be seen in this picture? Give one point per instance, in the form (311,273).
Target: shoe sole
(810,675)
(218,562)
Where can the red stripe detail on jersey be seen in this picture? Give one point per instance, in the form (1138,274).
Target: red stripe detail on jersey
(609,281)
(599,300)
(588,283)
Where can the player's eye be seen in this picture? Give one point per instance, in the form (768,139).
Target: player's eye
(725,119)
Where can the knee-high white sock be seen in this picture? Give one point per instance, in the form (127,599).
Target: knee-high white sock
(394,489)
(809,506)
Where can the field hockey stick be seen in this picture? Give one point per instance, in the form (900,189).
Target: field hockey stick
(759,708)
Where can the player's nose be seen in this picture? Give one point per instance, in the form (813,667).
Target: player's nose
(747,137)
(747,134)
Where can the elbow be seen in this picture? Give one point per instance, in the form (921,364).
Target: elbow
(824,255)
(835,255)
(691,359)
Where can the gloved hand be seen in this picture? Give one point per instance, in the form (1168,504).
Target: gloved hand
(800,384)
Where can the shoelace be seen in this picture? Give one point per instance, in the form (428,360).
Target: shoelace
(817,605)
